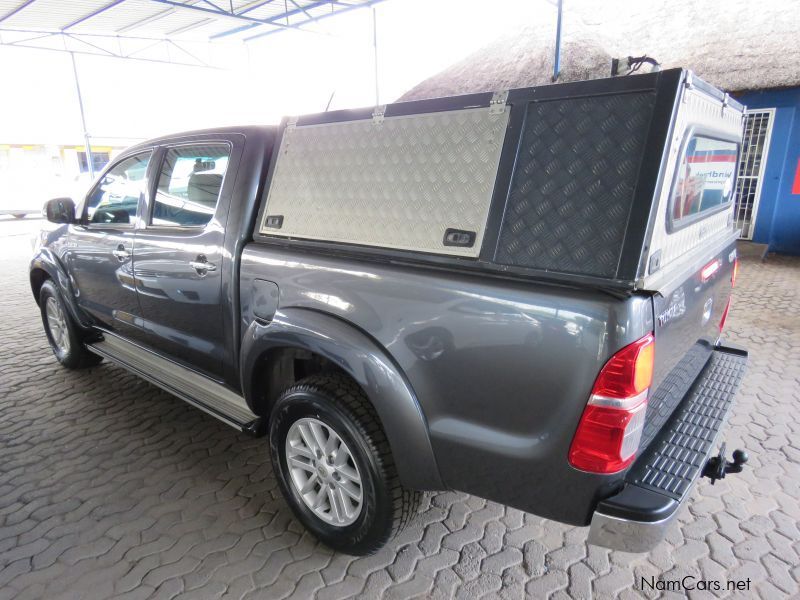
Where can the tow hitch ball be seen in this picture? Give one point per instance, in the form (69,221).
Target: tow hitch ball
(718,466)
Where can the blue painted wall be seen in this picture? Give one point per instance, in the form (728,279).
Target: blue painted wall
(778,218)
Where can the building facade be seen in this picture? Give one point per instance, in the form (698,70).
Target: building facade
(768,198)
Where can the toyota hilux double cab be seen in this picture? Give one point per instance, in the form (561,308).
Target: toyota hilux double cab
(519,295)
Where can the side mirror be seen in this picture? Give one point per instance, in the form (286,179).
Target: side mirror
(60,210)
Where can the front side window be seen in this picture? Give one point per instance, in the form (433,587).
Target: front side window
(115,199)
(189,185)
(705,177)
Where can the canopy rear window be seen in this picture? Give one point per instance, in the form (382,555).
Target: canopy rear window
(705,179)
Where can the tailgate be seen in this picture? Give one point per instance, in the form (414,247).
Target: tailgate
(687,312)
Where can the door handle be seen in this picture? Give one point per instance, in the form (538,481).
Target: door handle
(121,253)
(202,266)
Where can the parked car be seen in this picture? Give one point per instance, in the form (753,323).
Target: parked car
(492,293)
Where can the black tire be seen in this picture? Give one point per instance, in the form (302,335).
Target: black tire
(338,402)
(76,356)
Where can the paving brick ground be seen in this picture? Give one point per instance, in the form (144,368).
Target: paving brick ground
(110,487)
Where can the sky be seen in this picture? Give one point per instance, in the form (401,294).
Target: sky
(290,73)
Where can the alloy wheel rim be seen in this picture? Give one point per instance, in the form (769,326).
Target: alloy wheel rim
(57,324)
(323,472)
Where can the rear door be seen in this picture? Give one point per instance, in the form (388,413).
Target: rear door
(101,246)
(180,253)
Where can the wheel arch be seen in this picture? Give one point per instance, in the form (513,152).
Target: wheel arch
(45,266)
(268,359)
(38,276)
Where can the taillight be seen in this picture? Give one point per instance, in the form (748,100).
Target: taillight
(724,316)
(611,426)
(735,272)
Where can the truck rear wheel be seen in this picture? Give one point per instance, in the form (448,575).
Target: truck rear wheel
(63,335)
(334,465)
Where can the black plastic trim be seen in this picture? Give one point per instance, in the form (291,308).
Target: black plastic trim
(634,503)
(641,215)
(466,239)
(274,221)
(593,87)
(440,262)
(399,109)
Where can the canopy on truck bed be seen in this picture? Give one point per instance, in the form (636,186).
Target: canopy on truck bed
(570,182)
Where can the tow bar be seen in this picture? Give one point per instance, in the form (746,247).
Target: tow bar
(718,466)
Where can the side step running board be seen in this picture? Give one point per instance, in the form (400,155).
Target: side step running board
(198,390)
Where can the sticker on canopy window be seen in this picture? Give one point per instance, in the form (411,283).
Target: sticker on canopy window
(705,177)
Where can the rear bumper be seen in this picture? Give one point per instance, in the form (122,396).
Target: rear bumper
(635,519)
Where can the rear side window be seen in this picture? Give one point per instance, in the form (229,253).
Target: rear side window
(704,180)
(115,199)
(189,185)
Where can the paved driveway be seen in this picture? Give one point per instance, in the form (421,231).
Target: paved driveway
(111,487)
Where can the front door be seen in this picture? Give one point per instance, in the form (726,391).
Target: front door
(101,245)
(179,255)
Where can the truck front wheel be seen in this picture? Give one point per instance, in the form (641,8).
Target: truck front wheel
(63,335)
(334,465)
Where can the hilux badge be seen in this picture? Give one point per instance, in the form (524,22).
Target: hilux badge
(707,310)
(676,308)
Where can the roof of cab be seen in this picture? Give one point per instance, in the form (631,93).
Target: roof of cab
(245,130)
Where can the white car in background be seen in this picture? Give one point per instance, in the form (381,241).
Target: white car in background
(24,193)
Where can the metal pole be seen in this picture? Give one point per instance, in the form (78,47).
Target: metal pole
(557,61)
(89,158)
(375,54)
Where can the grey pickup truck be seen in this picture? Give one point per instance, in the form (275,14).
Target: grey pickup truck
(519,295)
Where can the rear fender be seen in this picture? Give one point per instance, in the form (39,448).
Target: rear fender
(369,365)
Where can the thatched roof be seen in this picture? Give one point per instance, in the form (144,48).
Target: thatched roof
(734,44)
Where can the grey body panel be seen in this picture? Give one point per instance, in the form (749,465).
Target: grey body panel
(49,259)
(183,311)
(687,312)
(501,369)
(353,351)
(99,258)
(104,283)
